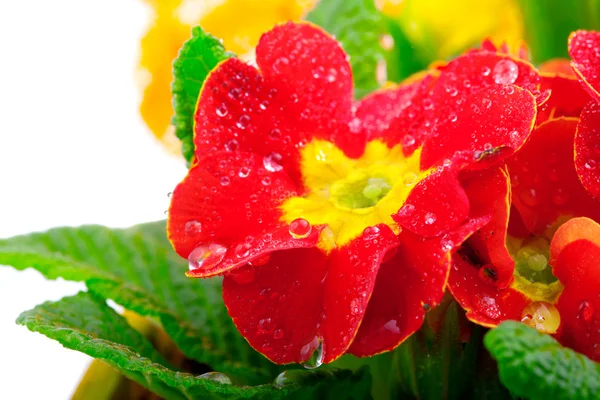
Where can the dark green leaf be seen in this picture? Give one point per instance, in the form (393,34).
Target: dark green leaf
(535,366)
(138,269)
(85,323)
(548,24)
(404,59)
(358,25)
(198,56)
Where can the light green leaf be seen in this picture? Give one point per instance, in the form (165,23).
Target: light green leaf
(138,269)
(535,366)
(358,25)
(198,56)
(85,323)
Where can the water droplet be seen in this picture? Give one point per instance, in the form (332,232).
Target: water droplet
(370,232)
(586,311)
(235,93)
(192,228)
(263,105)
(488,306)
(391,326)
(272,162)
(265,325)
(331,75)
(300,228)
(427,104)
(409,178)
(222,110)
(487,103)
(242,123)
(312,353)
(242,250)
(318,72)
(355,306)
(485,71)
(590,164)
(452,117)
(487,146)
(529,197)
(278,334)
(243,275)
(275,134)
(510,90)
(542,316)
(232,145)
(446,244)
(266,180)
(560,197)
(225,180)
(406,210)
(290,377)
(280,64)
(505,72)
(216,377)
(430,218)
(408,140)
(244,172)
(260,261)
(206,256)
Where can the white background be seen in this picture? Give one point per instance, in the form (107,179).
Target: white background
(73,150)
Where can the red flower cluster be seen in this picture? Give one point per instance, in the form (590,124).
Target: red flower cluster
(338,223)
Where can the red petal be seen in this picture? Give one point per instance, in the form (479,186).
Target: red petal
(576,264)
(584,49)
(567,97)
(232,201)
(300,295)
(406,285)
(473,71)
(278,309)
(545,184)
(587,149)
(489,194)
(349,285)
(557,66)
(436,205)
(485,304)
(490,124)
(278,111)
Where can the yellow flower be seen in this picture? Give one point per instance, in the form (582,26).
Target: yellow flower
(238,22)
(446,28)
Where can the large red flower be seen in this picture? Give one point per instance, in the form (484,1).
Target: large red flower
(332,220)
(537,259)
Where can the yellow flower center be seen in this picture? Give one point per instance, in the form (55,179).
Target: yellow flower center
(349,195)
(533,275)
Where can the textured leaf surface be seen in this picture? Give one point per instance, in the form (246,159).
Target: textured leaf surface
(535,366)
(85,323)
(138,269)
(358,25)
(198,56)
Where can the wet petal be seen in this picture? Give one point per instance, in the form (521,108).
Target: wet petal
(490,124)
(545,184)
(587,148)
(231,201)
(576,264)
(410,282)
(584,49)
(567,97)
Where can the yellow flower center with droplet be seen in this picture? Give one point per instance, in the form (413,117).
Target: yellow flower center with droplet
(533,275)
(349,195)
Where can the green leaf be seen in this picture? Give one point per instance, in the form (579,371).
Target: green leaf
(85,323)
(404,59)
(198,56)
(358,25)
(535,366)
(138,269)
(548,24)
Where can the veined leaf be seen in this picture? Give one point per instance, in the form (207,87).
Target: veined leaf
(358,25)
(198,56)
(535,366)
(85,323)
(138,269)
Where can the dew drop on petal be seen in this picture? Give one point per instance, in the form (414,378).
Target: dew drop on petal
(272,162)
(278,334)
(300,228)
(560,197)
(485,71)
(542,316)
(487,306)
(266,326)
(446,244)
(242,250)
(406,210)
(222,110)
(370,232)
(408,140)
(430,218)
(225,180)
(275,134)
(192,228)
(244,172)
(409,178)
(243,121)
(312,353)
(505,72)
(232,145)
(586,311)
(331,75)
(529,197)
(206,256)
(260,261)
(243,275)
